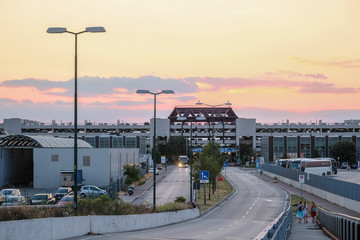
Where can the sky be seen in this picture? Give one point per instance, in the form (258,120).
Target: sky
(274,60)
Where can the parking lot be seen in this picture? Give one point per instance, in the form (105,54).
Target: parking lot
(352,175)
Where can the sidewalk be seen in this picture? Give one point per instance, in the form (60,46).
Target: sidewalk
(308,230)
(140,190)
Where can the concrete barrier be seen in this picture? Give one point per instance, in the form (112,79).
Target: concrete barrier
(67,227)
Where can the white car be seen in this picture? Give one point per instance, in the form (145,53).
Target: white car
(92,191)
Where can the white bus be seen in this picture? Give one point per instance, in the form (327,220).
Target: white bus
(319,167)
(183,161)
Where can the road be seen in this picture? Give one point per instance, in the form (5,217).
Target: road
(176,183)
(254,206)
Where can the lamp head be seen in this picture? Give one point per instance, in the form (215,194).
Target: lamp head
(56,30)
(95,29)
(142,91)
(167,91)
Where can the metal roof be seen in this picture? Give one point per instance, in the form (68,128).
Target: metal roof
(211,114)
(26,141)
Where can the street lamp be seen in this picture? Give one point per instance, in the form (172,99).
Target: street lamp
(154,139)
(212,138)
(63,30)
(191,153)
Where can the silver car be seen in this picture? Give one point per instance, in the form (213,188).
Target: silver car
(15,200)
(92,191)
(10,192)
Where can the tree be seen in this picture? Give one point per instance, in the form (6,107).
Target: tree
(132,172)
(246,151)
(209,159)
(315,153)
(345,151)
(174,147)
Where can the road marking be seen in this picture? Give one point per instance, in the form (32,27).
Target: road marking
(247,213)
(220,229)
(230,225)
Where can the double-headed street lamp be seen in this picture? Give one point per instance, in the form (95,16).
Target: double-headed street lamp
(154,139)
(63,30)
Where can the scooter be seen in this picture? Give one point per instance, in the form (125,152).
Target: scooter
(131,190)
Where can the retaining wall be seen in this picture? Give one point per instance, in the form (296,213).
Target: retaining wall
(66,227)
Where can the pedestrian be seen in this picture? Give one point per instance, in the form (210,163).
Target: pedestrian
(313,212)
(299,213)
(306,212)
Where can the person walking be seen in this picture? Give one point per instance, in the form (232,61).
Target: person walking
(313,212)
(306,212)
(299,213)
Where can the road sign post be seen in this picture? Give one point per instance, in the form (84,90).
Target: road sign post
(301,181)
(204,178)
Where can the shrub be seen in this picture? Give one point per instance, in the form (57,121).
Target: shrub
(180,199)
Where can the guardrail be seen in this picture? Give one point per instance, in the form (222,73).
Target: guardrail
(340,225)
(280,228)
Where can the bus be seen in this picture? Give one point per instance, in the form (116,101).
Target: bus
(321,167)
(183,161)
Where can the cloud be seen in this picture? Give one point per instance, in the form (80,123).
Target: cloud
(318,87)
(339,63)
(7,101)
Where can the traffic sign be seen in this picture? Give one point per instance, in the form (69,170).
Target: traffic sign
(301,178)
(204,176)
(226,163)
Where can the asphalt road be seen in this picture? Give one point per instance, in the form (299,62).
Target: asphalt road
(176,183)
(255,204)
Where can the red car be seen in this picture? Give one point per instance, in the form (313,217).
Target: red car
(66,200)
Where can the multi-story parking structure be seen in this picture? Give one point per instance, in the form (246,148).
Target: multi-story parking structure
(204,124)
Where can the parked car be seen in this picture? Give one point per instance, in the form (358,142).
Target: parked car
(10,192)
(66,200)
(92,191)
(2,198)
(344,165)
(42,198)
(354,165)
(15,200)
(61,192)
(151,170)
(159,167)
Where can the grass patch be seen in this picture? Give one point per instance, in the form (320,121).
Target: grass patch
(173,207)
(223,189)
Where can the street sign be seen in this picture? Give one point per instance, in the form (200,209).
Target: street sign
(301,178)
(226,164)
(204,176)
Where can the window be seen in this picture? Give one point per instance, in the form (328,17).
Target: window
(55,158)
(86,161)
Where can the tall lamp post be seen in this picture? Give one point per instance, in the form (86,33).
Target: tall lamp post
(63,30)
(212,138)
(154,139)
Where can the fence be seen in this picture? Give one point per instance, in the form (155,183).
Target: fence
(344,189)
(340,225)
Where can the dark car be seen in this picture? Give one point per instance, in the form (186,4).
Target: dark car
(42,199)
(354,165)
(61,192)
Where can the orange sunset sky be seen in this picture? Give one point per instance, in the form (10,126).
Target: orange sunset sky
(272,59)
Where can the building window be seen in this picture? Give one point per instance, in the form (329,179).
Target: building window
(86,161)
(90,140)
(117,142)
(130,142)
(320,146)
(55,158)
(292,147)
(104,142)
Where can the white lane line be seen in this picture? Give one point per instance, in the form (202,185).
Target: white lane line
(236,222)
(197,236)
(220,229)
(247,213)
(230,225)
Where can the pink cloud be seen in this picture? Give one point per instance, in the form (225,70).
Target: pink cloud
(342,63)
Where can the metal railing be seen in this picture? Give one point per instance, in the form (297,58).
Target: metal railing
(340,225)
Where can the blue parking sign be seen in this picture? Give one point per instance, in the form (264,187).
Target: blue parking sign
(204,176)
